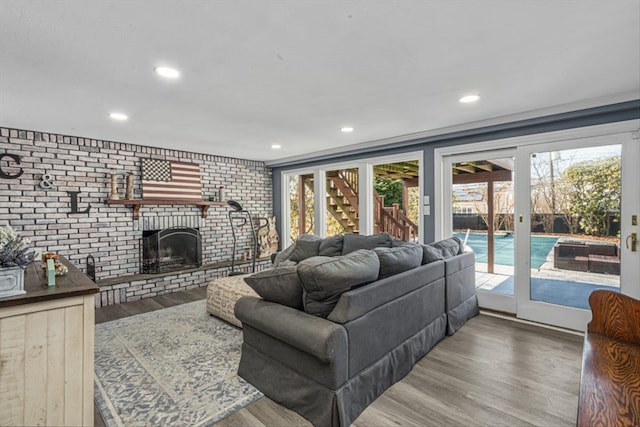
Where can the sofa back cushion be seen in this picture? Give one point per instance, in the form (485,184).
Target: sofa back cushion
(353,242)
(430,254)
(305,249)
(331,246)
(398,259)
(448,247)
(285,254)
(280,285)
(324,279)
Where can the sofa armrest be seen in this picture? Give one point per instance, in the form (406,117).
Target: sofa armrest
(461,279)
(319,337)
(360,301)
(459,262)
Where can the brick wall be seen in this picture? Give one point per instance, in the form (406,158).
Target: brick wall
(108,232)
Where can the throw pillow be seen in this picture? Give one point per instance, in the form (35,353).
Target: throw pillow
(353,242)
(324,279)
(398,259)
(449,247)
(430,254)
(285,254)
(305,249)
(280,285)
(331,246)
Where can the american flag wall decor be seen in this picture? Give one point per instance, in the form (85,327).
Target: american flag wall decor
(164,179)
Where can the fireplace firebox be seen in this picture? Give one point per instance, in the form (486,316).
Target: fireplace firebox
(171,249)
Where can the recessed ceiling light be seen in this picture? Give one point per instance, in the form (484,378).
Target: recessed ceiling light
(170,73)
(469,98)
(276,146)
(347,129)
(118,116)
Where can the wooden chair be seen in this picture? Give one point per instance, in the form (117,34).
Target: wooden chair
(610,381)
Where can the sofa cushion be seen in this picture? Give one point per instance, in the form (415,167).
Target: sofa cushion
(285,254)
(353,242)
(430,254)
(324,279)
(331,246)
(449,247)
(398,259)
(396,243)
(280,285)
(305,249)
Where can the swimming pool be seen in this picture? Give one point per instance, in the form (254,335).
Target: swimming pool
(504,249)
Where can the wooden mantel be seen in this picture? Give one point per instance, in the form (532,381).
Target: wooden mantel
(137,203)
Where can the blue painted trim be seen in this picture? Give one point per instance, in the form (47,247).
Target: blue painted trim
(623,111)
(588,117)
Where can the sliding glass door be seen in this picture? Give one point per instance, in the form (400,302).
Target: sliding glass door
(482,202)
(580,200)
(549,219)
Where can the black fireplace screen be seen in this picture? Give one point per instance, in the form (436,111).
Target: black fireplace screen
(169,250)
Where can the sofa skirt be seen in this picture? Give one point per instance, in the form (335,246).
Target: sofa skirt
(323,406)
(457,316)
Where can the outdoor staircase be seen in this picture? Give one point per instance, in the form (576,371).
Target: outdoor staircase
(342,199)
(342,204)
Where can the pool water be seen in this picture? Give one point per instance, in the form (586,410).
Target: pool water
(504,250)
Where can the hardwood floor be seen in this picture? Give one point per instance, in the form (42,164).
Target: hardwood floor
(492,372)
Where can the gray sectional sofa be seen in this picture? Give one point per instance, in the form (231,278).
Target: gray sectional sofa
(344,318)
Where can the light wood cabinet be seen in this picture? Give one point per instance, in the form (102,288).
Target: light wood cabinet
(46,358)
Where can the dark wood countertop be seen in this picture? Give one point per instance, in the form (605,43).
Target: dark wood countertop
(74,283)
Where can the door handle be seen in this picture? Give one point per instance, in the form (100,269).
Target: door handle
(634,241)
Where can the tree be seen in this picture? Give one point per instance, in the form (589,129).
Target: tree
(294,208)
(391,189)
(595,193)
(544,192)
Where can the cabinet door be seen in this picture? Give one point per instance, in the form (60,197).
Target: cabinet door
(46,375)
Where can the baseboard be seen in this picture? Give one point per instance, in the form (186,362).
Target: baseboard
(513,318)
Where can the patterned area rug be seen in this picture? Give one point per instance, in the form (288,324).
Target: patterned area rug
(176,366)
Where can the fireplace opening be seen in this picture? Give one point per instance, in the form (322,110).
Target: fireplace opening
(170,250)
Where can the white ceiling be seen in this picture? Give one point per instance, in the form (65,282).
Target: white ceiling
(256,73)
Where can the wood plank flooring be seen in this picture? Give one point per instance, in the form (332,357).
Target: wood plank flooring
(492,372)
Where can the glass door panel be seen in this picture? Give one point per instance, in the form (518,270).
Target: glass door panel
(576,195)
(396,199)
(301,206)
(482,198)
(342,214)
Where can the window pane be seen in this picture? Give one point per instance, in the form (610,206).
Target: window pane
(396,199)
(342,202)
(301,209)
(575,224)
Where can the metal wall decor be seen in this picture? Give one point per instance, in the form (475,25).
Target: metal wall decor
(16,159)
(47,182)
(74,203)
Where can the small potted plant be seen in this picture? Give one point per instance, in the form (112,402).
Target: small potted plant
(15,255)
